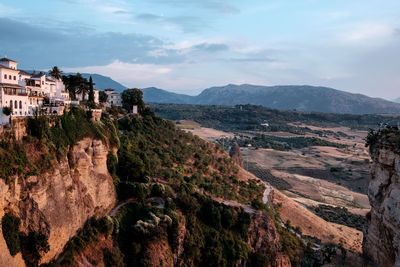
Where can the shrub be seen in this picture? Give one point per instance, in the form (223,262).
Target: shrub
(10,226)
(113,257)
(33,245)
(112,162)
(7,111)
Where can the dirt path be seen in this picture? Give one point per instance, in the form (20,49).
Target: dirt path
(267,193)
(115,210)
(160,202)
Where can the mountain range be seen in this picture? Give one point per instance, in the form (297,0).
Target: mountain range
(287,97)
(290,97)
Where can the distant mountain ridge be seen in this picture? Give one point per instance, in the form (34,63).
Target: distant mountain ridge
(397,100)
(103,82)
(285,97)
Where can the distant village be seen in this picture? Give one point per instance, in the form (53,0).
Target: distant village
(24,93)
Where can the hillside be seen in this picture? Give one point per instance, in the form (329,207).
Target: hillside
(302,98)
(397,100)
(156,95)
(182,200)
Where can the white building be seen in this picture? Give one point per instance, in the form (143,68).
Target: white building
(24,92)
(113,98)
(96,96)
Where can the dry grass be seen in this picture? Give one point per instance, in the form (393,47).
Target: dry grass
(315,226)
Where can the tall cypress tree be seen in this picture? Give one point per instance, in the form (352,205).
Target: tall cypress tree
(91,92)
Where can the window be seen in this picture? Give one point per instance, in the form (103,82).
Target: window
(9,77)
(42,82)
(11,104)
(5,76)
(15,78)
(20,104)
(15,104)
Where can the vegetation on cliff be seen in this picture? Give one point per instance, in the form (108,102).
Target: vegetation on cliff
(50,138)
(171,184)
(31,244)
(386,137)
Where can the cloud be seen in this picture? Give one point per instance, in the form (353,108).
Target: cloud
(221,6)
(183,23)
(210,47)
(142,75)
(6,10)
(367,32)
(39,47)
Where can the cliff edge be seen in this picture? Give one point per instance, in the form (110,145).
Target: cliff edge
(382,232)
(58,202)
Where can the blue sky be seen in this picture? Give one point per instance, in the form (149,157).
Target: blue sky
(188,45)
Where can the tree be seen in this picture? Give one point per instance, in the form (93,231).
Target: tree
(91,93)
(56,72)
(131,97)
(83,85)
(76,84)
(7,111)
(103,97)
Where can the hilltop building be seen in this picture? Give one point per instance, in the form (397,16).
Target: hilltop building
(96,96)
(25,93)
(113,98)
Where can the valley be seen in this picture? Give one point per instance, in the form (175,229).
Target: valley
(311,182)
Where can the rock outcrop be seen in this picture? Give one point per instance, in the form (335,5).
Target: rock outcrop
(382,233)
(59,202)
(236,155)
(264,239)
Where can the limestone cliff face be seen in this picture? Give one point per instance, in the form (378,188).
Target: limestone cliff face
(59,202)
(382,233)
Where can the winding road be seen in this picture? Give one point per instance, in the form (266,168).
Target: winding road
(159,200)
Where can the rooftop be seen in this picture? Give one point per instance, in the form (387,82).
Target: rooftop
(5,67)
(7,59)
(10,85)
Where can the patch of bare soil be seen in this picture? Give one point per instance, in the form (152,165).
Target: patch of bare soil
(209,134)
(315,226)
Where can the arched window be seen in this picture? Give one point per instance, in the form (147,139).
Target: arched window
(15,104)
(20,104)
(11,104)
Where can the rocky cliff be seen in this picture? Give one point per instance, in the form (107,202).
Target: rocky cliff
(59,202)
(382,233)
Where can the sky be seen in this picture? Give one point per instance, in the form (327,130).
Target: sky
(188,45)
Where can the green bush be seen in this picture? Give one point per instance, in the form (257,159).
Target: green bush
(10,226)
(33,245)
(112,162)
